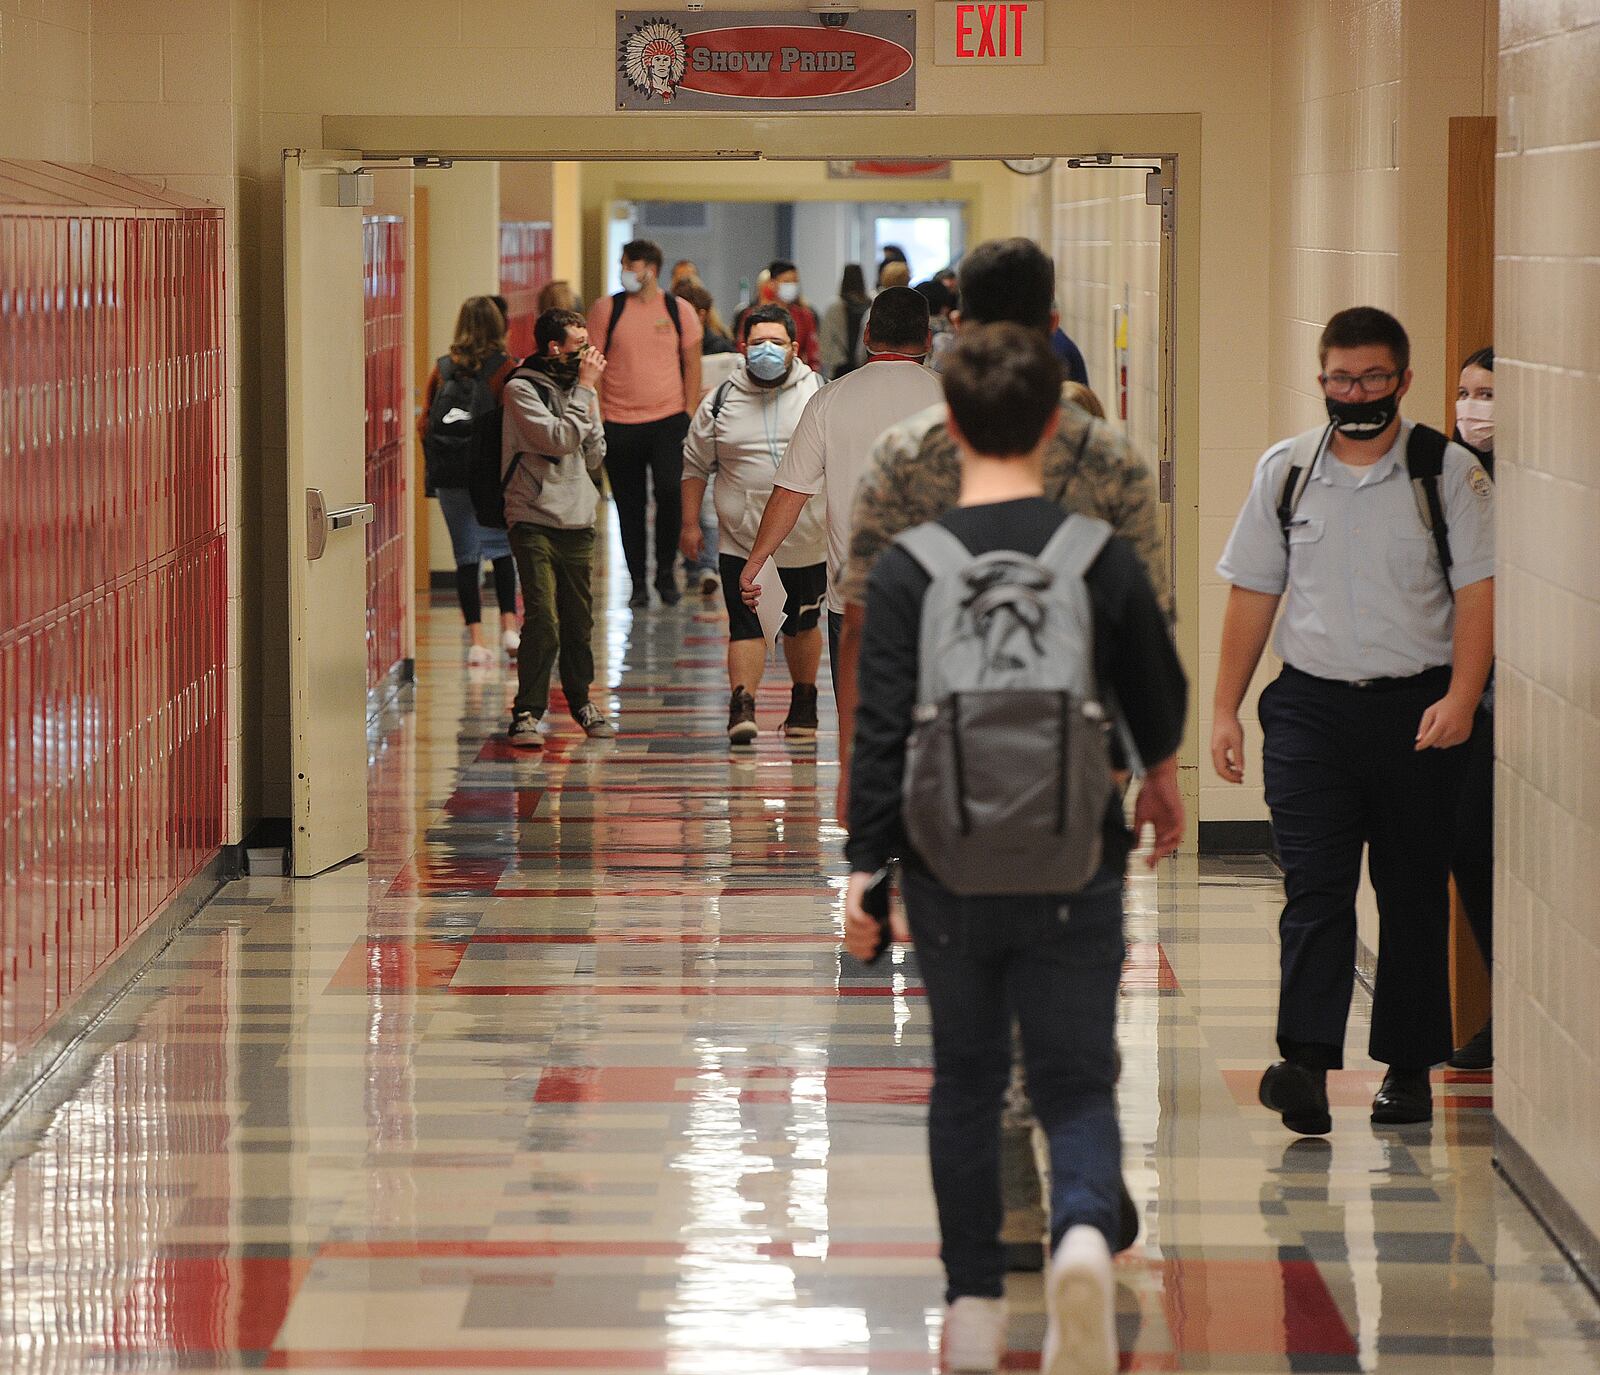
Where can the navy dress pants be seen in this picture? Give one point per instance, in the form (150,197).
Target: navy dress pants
(1342,774)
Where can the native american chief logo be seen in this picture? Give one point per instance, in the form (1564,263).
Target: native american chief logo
(653,58)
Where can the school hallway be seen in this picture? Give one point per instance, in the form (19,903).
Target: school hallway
(568,1074)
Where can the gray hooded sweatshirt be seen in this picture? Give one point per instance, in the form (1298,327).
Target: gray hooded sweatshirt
(559,436)
(739,451)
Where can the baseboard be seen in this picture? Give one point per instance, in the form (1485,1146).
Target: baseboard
(401,673)
(33,1066)
(1571,1234)
(1236,838)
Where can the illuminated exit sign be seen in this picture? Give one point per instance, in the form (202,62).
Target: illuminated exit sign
(983,35)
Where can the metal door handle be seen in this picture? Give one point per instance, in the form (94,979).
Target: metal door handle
(320,520)
(348,516)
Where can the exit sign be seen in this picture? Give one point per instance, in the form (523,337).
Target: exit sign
(984,35)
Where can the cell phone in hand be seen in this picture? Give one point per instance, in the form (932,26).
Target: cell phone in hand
(875,903)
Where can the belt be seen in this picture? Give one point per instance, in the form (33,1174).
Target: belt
(1415,680)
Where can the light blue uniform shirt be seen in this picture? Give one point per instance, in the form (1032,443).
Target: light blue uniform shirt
(1365,593)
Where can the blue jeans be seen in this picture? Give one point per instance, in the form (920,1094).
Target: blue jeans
(707,562)
(470,542)
(1054,965)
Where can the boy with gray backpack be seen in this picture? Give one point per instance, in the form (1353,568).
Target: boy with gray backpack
(1008,648)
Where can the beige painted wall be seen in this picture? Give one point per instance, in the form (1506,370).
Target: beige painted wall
(1107,245)
(463,260)
(1547,967)
(45,80)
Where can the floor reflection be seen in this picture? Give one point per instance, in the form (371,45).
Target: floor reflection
(568,1075)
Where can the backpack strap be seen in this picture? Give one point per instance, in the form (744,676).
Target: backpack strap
(1074,547)
(620,299)
(719,399)
(1424,465)
(1304,452)
(937,550)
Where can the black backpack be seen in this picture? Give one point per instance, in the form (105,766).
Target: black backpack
(458,421)
(486,484)
(620,300)
(1424,464)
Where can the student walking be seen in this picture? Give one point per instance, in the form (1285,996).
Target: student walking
(738,440)
(1377,536)
(1012,869)
(1472,863)
(651,343)
(842,322)
(553,441)
(464,387)
(834,439)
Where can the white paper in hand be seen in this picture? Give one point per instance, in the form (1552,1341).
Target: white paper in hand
(769,610)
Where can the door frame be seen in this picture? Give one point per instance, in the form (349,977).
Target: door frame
(1172,139)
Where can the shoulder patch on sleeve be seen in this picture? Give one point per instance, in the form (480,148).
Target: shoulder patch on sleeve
(1480,482)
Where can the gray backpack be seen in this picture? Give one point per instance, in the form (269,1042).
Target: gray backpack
(1008,769)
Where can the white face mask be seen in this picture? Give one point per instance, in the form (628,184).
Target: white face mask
(788,292)
(1475,420)
(631,281)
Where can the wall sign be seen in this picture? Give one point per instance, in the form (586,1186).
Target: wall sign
(878,168)
(982,35)
(765,60)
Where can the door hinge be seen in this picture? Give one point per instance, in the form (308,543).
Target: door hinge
(1164,480)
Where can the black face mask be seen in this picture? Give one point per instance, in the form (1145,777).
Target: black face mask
(562,368)
(1364,419)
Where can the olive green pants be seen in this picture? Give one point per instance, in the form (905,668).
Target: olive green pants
(558,614)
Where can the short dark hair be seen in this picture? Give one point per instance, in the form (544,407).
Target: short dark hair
(642,250)
(893,253)
(551,328)
(1483,358)
(1362,325)
(1002,383)
(938,296)
(778,266)
(766,315)
(1008,281)
(898,315)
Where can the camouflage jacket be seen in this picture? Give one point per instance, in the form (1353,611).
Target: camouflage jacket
(915,476)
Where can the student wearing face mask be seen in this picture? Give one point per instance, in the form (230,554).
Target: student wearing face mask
(780,285)
(736,442)
(552,441)
(1377,536)
(651,342)
(1472,864)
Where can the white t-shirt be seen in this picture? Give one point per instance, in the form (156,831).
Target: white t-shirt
(833,442)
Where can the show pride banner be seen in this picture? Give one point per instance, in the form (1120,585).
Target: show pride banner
(765,60)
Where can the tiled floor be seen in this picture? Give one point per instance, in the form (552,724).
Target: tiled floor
(568,1075)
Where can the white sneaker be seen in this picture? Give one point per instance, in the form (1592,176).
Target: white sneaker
(974,1335)
(480,657)
(512,640)
(1081,1338)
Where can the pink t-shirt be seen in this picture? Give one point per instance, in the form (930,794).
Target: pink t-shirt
(643,380)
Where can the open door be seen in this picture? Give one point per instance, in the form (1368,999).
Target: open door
(327,517)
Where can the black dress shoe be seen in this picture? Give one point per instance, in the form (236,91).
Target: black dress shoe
(1298,1095)
(1478,1053)
(667,590)
(1406,1096)
(639,599)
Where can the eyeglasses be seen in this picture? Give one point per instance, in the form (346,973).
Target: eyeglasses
(1368,384)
